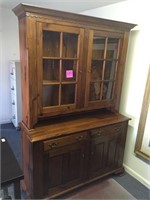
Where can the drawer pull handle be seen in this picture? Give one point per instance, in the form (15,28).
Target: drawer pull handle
(79,138)
(12,88)
(11,73)
(99,133)
(117,129)
(53,145)
(13,103)
(14,117)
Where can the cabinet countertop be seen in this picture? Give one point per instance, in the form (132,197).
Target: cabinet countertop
(63,126)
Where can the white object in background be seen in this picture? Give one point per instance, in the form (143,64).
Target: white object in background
(15,84)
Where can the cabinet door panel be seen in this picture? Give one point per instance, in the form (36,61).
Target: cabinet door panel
(112,152)
(103,58)
(64,167)
(59,63)
(103,154)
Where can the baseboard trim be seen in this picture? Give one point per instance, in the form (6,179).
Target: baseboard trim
(145,182)
(5,122)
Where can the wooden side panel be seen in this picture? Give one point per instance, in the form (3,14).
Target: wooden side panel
(32,70)
(32,166)
(120,72)
(38,170)
(27,34)
(24,72)
(27,155)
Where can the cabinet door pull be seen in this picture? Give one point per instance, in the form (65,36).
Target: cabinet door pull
(99,133)
(117,129)
(79,137)
(53,145)
(12,88)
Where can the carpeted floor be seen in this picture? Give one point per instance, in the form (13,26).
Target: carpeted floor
(107,188)
(129,187)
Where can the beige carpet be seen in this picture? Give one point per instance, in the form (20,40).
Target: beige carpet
(105,189)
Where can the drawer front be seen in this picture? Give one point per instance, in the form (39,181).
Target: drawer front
(13,100)
(66,140)
(13,86)
(12,70)
(14,116)
(106,130)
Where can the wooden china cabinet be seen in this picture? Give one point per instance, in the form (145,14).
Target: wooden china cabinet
(72,71)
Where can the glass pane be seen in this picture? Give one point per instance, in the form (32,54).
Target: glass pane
(95,89)
(51,44)
(110,68)
(68,94)
(50,95)
(107,90)
(96,70)
(51,70)
(69,70)
(70,44)
(112,48)
(98,48)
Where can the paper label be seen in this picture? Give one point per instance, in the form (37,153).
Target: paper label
(69,73)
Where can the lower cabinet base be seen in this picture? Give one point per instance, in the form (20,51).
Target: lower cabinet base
(58,195)
(64,156)
(119,171)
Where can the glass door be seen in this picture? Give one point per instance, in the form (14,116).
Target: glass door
(102,68)
(60,66)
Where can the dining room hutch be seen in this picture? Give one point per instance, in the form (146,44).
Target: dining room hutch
(72,70)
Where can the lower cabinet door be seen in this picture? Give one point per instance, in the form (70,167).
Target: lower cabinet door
(104,154)
(64,167)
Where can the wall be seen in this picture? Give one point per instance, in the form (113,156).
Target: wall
(137,63)
(9,50)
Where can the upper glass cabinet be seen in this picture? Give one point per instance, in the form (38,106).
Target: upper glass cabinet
(60,66)
(103,67)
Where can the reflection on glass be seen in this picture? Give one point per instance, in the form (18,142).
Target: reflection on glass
(95,89)
(96,70)
(70,43)
(112,48)
(69,70)
(110,68)
(68,93)
(50,95)
(107,90)
(98,48)
(51,44)
(51,70)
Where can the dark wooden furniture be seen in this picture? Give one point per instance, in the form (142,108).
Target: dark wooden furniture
(72,71)
(11,172)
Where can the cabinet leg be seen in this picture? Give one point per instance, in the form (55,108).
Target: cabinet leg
(120,172)
(17,191)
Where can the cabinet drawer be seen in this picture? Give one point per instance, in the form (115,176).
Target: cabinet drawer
(111,129)
(66,140)
(13,86)
(14,116)
(13,100)
(12,70)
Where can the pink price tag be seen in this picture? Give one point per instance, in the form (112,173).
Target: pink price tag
(69,73)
